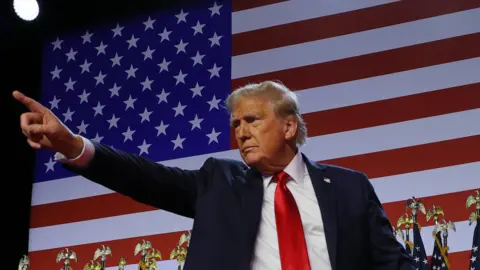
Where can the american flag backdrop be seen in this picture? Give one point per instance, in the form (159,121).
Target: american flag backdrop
(390,88)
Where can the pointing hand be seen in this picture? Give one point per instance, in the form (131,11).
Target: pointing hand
(44,130)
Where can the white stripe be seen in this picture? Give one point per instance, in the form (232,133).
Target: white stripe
(388,86)
(356,142)
(335,48)
(65,189)
(458,241)
(161,265)
(107,229)
(427,183)
(294,11)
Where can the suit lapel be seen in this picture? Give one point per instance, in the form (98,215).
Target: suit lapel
(251,197)
(324,190)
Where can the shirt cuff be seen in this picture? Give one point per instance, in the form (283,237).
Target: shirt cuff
(81,160)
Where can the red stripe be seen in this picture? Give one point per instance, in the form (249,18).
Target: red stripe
(378,164)
(345,23)
(375,64)
(239,5)
(107,205)
(45,259)
(453,205)
(394,110)
(413,158)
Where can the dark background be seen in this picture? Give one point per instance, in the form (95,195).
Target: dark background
(20,57)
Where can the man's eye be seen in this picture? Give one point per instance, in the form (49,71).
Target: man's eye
(251,119)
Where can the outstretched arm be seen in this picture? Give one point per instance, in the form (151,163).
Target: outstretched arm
(168,188)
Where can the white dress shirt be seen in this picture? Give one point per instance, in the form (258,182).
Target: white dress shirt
(266,254)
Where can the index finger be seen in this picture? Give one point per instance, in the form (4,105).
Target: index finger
(31,104)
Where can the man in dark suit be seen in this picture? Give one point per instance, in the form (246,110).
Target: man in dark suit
(275,210)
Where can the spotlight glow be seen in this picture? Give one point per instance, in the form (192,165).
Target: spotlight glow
(26,9)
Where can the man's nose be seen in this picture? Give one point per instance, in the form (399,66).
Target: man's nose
(243,132)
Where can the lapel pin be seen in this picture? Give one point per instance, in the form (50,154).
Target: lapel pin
(326,180)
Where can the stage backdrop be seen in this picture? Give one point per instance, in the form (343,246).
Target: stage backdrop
(390,88)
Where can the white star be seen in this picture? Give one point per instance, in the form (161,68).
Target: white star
(113,121)
(196,122)
(214,71)
(165,35)
(114,90)
(144,147)
(101,48)
(179,109)
(131,71)
(54,103)
(197,59)
(145,115)
(116,60)
(163,96)
(57,44)
(178,142)
(213,136)
(164,65)
(215,40)
(147,84)
(50,165)
(68,115)
(147,53)
(85,66)
(128,134)
(70,84)
(117,31)
(130,102)
(98,109)
(198,28)
(97,138)
(56,73)
(197,90)
(214,103)
(215,9)
(181,17)
(82,128)
(84,97)
(181,46)
(148,23)
(71,55)
(180,77)
(475,248)
(162,128)
(86,37)
(100,78)
(132,42)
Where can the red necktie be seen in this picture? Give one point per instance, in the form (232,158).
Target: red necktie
(291,239)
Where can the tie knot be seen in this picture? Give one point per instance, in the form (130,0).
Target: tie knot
(281,177)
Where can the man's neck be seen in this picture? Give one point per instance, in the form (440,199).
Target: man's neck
(283,159)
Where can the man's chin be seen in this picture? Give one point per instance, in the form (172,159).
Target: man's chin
(251,160)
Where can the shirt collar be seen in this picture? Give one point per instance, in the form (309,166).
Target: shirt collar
(296,170)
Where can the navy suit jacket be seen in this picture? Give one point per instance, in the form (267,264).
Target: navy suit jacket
(224,197)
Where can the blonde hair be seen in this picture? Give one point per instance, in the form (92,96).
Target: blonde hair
(283,100)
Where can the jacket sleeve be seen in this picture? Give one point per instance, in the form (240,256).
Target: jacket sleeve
(387,252)
(168,188)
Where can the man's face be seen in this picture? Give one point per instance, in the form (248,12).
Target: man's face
(259,134)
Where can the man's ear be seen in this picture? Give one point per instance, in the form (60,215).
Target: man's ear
(290,127)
